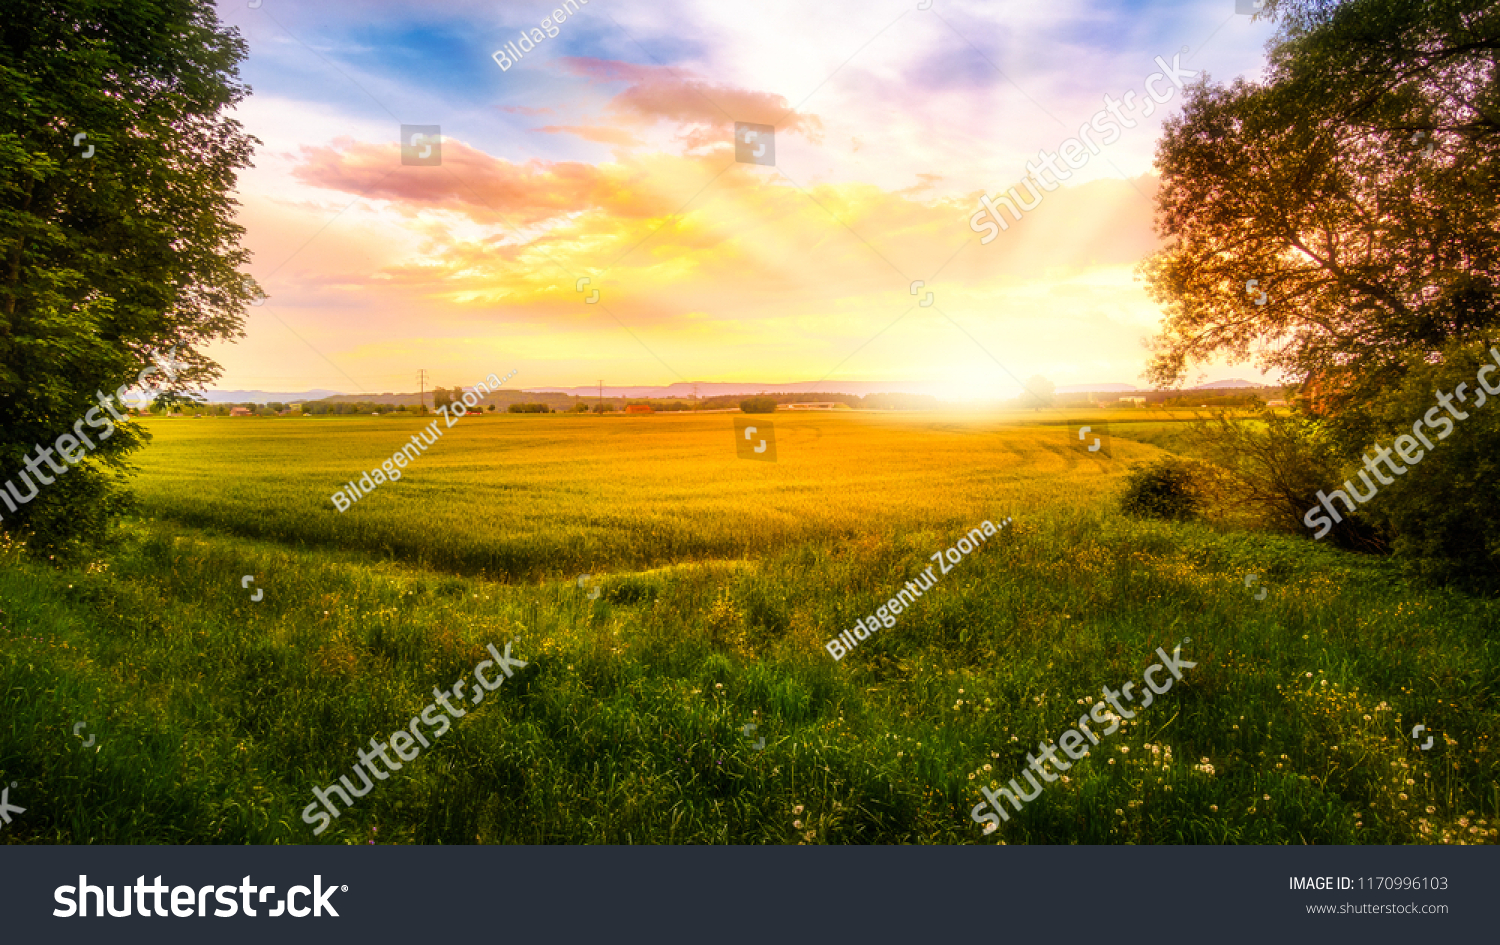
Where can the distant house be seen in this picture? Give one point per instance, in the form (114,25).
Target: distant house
(817,405)
(638,408)
(239,411)
(1275,403)
(1133,401)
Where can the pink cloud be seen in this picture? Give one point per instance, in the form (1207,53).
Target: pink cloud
(484,188)
(600,133)
(659,93)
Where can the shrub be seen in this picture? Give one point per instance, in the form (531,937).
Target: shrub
(632,590)
(1442,514)
(1265,470)
(1165,489)
(758,405)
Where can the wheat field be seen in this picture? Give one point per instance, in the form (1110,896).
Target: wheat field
(719,579)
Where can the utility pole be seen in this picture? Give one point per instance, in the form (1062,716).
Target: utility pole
(695,398)
(601,397)
(422,396)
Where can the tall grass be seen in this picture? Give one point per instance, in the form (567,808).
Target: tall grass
(216,716)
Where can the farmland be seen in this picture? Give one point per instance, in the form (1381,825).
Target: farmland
(215,715)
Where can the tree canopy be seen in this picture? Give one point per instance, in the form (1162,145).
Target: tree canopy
(1338,222)
(116,232)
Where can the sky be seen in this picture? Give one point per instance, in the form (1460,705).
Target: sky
(606,152)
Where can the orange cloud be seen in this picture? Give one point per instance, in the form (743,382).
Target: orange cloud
(484,188)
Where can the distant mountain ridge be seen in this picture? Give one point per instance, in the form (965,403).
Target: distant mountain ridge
(684,390)
(263,397)
(706,389)
(1234,383)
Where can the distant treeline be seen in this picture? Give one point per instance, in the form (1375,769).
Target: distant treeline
(867,402)
(188,408)
(1224,397)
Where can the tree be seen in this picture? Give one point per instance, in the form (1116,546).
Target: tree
(758,405)
(1341,223)
(1345,214)
(1039,392)
(108,258)
(177,402)
(442,397)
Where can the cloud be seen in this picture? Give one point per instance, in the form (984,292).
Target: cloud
(659,93)
(484,188)
(598,133)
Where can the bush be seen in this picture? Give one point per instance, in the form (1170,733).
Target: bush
(632,590)
(1442,515)
(759,405)
(529,408)
(1264,471)
(1165,489)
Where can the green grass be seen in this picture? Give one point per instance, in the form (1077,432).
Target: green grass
(215,717)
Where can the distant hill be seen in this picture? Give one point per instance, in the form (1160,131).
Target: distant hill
(1234,382)
(707,389)
(264,397)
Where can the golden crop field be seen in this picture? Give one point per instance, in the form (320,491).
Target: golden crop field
(533,494)
(686,693)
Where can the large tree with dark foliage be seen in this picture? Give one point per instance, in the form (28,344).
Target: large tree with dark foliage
(1357,187)
(115,244)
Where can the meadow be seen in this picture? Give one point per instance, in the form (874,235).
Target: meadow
(215,716)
